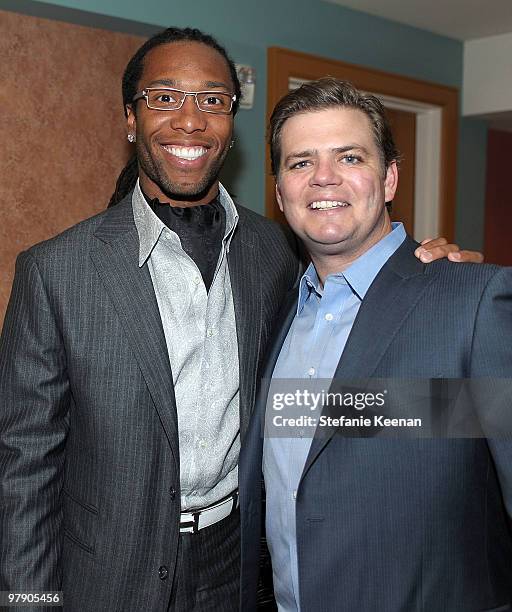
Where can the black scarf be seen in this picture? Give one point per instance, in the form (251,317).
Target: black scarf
(200,229)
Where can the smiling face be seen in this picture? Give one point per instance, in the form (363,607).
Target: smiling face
(332,187)
(180,152)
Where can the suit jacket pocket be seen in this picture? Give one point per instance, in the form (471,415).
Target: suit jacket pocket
(80,522)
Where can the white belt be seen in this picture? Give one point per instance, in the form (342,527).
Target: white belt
(192,522)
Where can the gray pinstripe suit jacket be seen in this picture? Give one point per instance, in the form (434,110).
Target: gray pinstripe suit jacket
(89,457)
(389,525)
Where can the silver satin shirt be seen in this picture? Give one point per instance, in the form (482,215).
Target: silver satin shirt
(200,333)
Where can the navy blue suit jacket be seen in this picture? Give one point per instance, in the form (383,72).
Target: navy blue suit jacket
(394,525)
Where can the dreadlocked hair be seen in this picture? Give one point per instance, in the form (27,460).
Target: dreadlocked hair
(125,181)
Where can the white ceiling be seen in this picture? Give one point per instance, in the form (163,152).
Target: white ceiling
(460,19)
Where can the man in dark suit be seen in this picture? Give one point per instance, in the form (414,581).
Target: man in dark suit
(356,518)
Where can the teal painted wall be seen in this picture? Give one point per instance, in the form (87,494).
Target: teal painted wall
(312,26)
(472,160)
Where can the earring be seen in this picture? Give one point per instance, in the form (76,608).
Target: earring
(131,137)
(232,144)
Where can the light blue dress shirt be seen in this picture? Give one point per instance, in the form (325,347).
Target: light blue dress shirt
(312,349)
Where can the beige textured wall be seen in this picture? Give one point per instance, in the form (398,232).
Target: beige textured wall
(62,137)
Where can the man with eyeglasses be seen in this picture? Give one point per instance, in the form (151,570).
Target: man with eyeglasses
(128,361)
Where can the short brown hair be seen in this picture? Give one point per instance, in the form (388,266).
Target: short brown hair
(328,93)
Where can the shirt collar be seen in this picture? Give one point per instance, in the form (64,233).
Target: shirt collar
(149,226)
(360,274)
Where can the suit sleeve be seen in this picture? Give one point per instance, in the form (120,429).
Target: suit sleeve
(34,396)
(491,373)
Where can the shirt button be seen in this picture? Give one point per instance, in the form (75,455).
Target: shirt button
(202,443)
(172,492)
(311,371)
(163,572)
(197,280)
(295,494)
(329,317)
(209,333)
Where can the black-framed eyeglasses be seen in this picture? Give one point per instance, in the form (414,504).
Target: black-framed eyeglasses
(169,99)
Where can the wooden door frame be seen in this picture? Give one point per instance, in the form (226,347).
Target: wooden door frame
(283,64)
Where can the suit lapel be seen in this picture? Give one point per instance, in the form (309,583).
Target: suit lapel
(245,276)
(279,333)
(131,291)
(393,294)
(253,442)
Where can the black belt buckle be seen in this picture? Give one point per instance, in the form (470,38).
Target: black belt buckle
(194,523)
(235,497)
(195,515)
